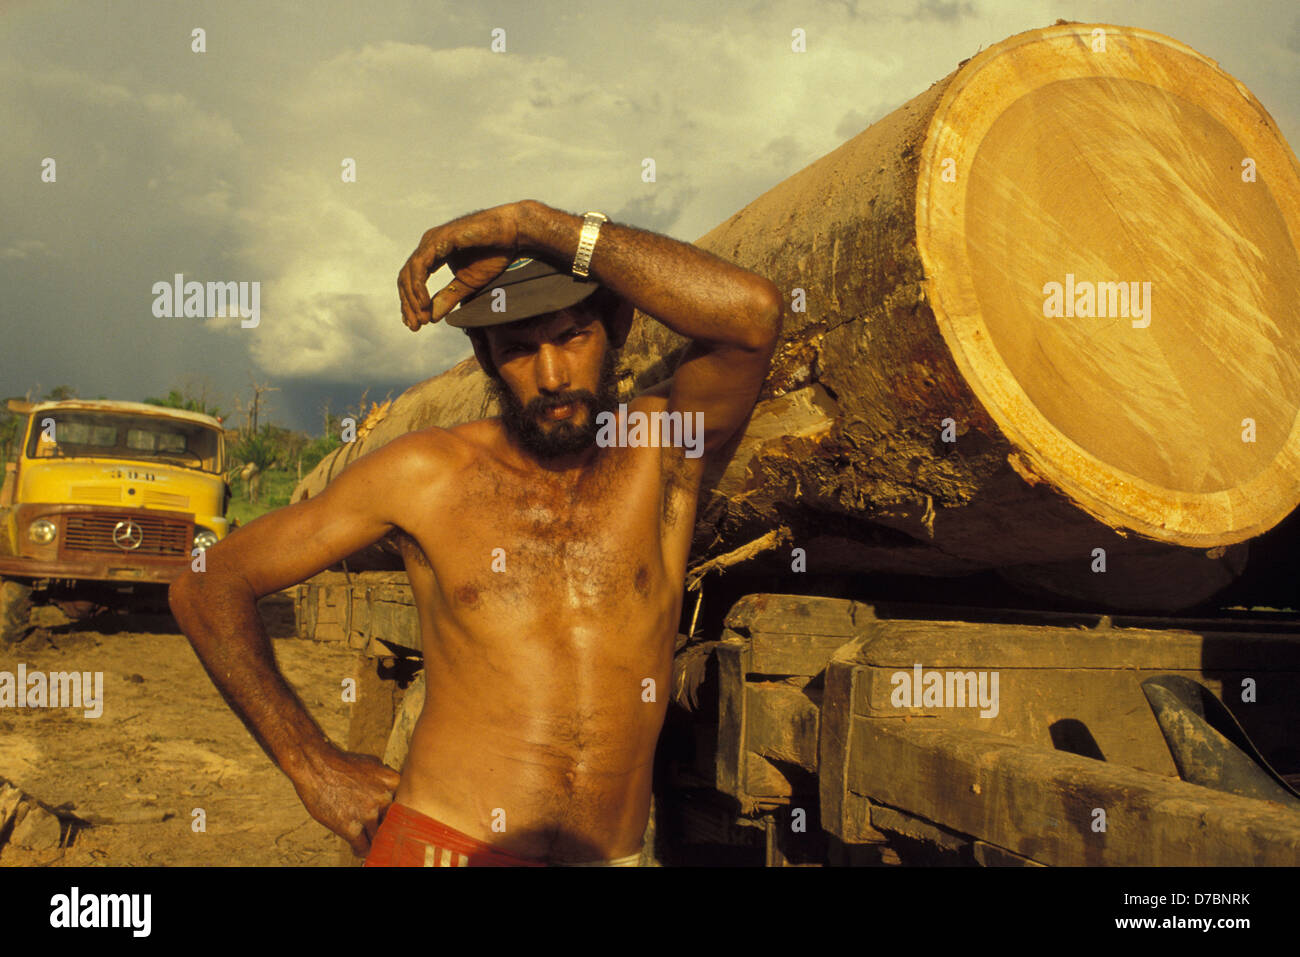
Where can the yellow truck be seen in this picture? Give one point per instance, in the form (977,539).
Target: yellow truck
(103,499)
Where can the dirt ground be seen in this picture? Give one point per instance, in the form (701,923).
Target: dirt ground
(165,745)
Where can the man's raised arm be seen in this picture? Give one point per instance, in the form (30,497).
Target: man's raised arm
(732,316)
(217,610)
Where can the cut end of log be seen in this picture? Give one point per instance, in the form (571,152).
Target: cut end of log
(1108,224)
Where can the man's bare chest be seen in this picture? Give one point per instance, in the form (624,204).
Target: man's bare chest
(501,543)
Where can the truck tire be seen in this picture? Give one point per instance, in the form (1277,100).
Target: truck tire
(15,610)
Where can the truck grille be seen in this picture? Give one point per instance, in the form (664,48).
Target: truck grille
(161,536)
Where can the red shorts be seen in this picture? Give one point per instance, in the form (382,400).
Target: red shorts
(407,838)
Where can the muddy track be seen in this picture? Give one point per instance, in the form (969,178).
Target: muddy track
(165,745)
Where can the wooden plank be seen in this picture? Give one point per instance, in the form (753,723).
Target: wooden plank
(733,663)
(795,615)
(1238,623)
(1003,792)
(393,591)
(990,855)
(369,725)
(790,654)
(396,622)
(304,611)
(758,721)
(833,741)
(762,781)
(761,722)
(893,821)
(366,578)
(371,716)
(857,826)
(901,643)
(358,605)
(1080,700)
(334,602)
(408,709)
(358,608)
(331,616)
(782,724)
(1096,712)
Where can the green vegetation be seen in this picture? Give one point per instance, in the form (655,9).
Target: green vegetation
(273,459)
(176,400)
(317,449)
(266,463)
(259,449)
(11,429)
(275,488)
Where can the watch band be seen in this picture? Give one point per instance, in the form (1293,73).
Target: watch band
(587,243)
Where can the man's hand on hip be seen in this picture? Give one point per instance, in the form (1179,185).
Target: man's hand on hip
(348,793)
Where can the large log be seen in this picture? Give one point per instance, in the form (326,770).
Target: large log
(929,412)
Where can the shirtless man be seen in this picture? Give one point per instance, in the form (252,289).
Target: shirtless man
(547,567)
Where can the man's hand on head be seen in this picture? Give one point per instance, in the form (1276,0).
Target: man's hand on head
(348,793)
(478,247)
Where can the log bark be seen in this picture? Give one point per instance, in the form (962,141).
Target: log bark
(928,413)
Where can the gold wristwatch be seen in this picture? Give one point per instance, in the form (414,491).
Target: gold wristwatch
(587,243)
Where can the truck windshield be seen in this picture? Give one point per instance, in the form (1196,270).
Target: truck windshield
(60,434)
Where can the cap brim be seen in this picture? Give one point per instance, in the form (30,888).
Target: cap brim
(523,300)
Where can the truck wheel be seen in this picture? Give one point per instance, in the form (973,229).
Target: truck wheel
(15,609)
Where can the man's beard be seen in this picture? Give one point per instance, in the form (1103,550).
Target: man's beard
(523,425)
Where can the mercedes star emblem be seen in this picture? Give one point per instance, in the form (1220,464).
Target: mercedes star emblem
(127,535)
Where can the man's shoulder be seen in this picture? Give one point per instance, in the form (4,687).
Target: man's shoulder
(432,448)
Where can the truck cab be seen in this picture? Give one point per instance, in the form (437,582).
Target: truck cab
(101,496)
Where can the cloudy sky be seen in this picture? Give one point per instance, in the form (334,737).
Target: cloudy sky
(225,165)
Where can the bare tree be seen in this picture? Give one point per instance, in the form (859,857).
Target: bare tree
(253,408)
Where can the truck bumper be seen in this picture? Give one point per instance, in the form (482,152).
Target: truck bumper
(92,557)
(91,571)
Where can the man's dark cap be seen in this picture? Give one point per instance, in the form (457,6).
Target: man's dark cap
(531,288)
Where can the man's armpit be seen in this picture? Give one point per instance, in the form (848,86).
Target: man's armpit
(400,541)
(680,478)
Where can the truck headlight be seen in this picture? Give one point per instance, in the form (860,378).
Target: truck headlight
(204,539)
(42,531)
